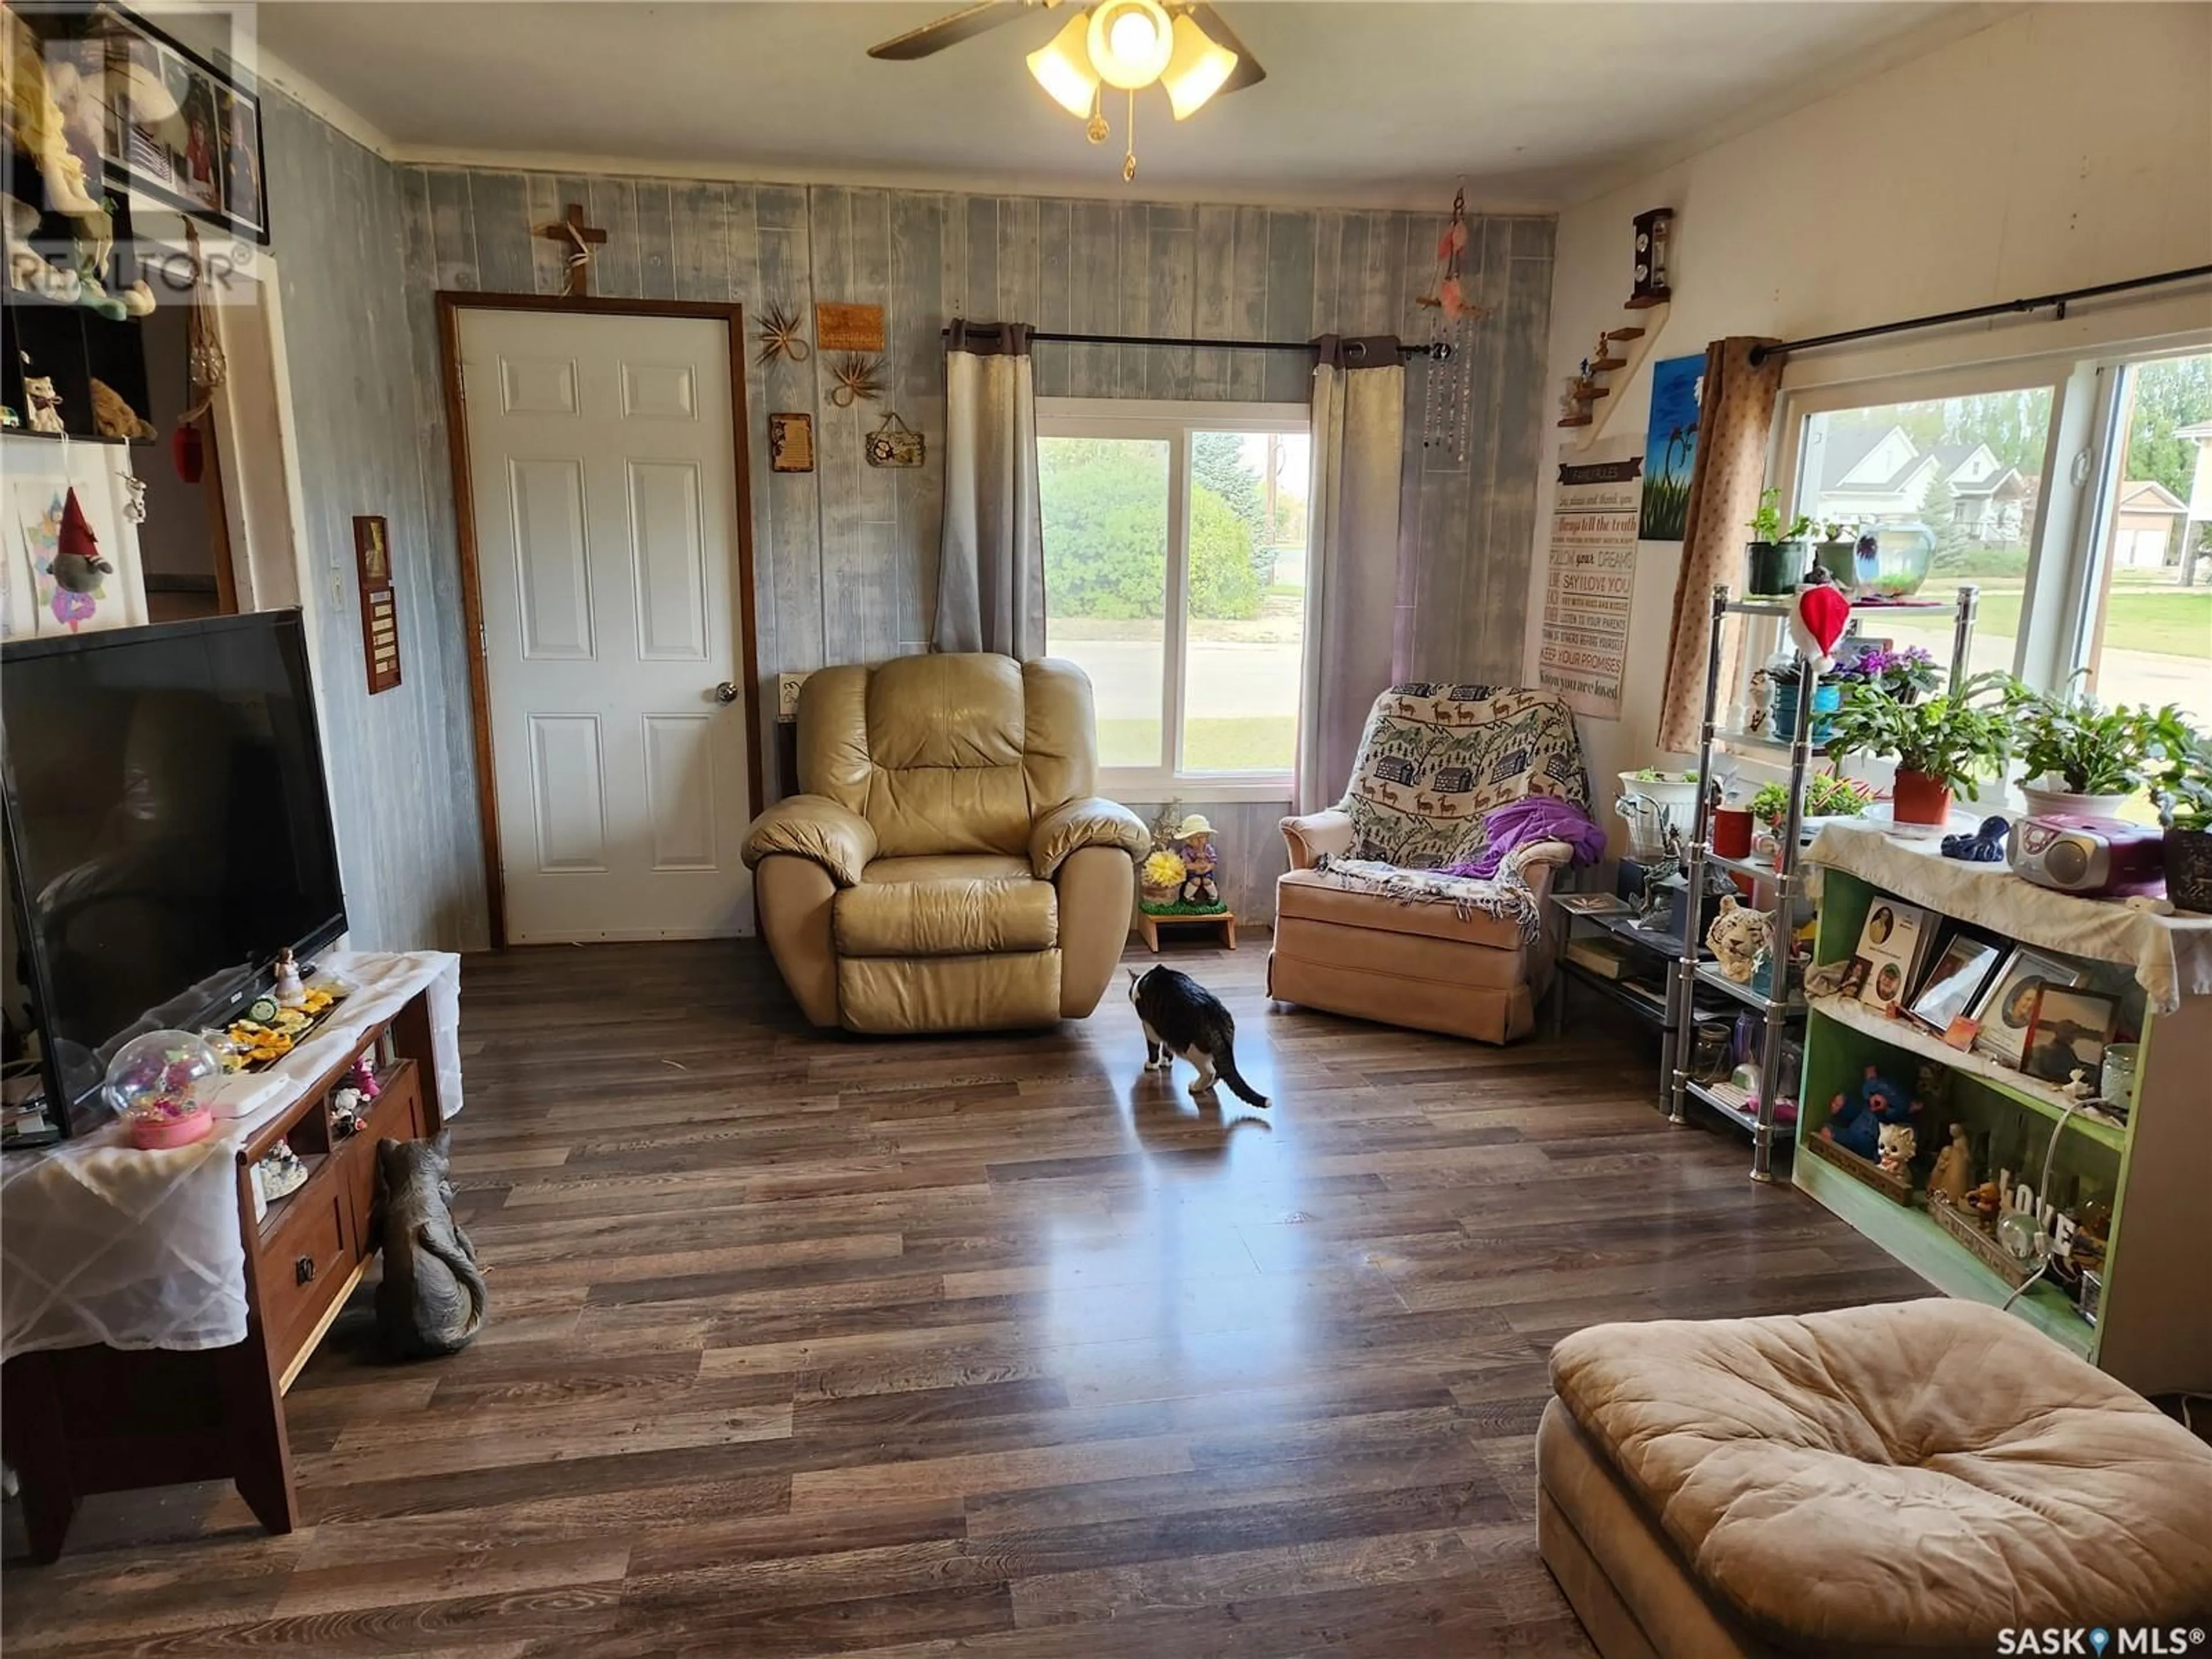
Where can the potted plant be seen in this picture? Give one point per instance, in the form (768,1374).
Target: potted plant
(1778,557)
(1788,680)
(1906,675)
(2181,785)
(2076,755)
(1945,744)
(1837,553)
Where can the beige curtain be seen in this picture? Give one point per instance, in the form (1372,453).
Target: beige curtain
(990,575)
(1736,419)
(1352,556)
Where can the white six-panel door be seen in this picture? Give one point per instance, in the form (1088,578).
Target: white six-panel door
(605,496)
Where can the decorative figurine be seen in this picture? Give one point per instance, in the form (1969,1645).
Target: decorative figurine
(1736,937)
(1953,1177)
(279,1173)
(348,1111)
(363,1078)
(1984,846)
(2078,1086)
(289,992)
(43,403)
(160,1083)
(431,1301)
(1855,1123)
(1194,839)
(1895,1147)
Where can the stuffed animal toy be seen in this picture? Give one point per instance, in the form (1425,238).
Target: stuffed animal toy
(78,564)
(1895,1147)
(1984,846)
(35,120)
(1855,1121)
(1737,936)
(112,417)
(1953,1177)
(1817,618)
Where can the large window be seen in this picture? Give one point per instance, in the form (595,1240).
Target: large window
(1175,547)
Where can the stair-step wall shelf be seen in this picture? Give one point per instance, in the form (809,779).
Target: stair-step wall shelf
(1589,405)
(1776,1000)
(2138,1171)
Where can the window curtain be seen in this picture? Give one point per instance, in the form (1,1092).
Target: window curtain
(1736,421)
(990,579)
(1352,556)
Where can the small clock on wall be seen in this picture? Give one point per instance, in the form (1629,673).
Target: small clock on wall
(1654,230)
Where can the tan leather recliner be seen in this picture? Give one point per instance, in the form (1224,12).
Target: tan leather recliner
(947,868)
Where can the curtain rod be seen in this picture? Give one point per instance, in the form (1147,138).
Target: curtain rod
(1441,351)
(1976,314)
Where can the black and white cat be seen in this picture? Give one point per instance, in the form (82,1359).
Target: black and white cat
(1182,1019)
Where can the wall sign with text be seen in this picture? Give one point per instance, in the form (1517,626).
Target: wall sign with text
(379,603)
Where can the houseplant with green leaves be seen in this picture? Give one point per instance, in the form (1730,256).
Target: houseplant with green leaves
(1778,553)
(1942,746)
(2078,756)
(2181,785)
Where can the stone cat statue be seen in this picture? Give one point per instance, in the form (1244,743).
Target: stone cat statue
(432,1299)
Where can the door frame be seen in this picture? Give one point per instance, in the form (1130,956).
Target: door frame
(451,303)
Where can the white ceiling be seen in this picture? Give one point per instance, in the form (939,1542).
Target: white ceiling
(1367,102)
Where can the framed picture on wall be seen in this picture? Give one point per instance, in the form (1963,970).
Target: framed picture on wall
(147,115)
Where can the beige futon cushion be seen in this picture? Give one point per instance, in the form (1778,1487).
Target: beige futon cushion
(1920,1473)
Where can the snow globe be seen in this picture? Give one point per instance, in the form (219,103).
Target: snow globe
(159,1084)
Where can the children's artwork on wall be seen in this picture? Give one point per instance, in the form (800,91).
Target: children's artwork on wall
(1670,447)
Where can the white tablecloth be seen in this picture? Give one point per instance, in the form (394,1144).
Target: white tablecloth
(101,1243)
(2171,955)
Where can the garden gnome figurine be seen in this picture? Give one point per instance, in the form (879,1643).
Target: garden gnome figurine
(78,564)
(1194,839)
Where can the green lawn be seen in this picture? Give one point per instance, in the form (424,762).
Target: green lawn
(2176,622)
(1258,743)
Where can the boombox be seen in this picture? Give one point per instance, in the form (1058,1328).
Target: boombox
(2094,857)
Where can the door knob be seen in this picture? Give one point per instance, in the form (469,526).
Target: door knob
(727,691)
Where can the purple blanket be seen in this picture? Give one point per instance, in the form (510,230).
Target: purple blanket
(1535,817)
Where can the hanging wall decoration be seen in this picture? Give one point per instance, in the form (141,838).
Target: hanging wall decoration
(858,379)
(1449,392)
(380,610)
(581,241)
(782,336)
(894,444)
(1670,447)
(1655,232)
(67,566)
(791,443)
(848,327)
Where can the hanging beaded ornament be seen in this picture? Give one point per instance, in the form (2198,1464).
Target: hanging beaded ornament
(1450,391)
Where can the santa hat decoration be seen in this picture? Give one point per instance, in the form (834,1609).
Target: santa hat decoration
(1817,618)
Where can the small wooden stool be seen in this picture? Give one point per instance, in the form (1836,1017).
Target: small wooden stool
(1149,925)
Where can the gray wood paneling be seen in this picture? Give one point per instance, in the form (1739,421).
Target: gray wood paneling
(847,557)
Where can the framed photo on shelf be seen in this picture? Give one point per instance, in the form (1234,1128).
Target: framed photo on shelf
(178,128)
(1954,981)
(2006,1007)
(1593,904)
(2068,1032)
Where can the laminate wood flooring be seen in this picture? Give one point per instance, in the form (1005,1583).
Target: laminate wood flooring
(802,1344)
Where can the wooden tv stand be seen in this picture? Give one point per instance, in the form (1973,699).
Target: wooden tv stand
(97,1418)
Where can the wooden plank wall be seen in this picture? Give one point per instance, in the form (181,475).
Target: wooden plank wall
(847,557)
(353,260)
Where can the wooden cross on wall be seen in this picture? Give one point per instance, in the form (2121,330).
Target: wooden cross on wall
(580,239)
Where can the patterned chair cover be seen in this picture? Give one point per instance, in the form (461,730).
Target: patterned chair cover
(1436,759)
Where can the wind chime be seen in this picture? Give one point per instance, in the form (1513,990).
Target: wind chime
(1444,418)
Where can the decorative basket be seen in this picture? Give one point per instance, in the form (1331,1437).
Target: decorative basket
(1896,1188)
(1159,898)
(1963,1226)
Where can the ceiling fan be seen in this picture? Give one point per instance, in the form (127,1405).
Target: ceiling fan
(1126,45)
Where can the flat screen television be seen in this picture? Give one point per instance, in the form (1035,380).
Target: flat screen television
(168,831)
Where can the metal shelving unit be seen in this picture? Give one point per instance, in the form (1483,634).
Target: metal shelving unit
(1783,879)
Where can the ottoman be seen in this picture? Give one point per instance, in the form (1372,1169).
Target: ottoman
(1906,1478)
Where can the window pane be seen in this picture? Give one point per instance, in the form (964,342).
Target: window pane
(1105,504)
(1245,601)
(1955,482)
(2152,638)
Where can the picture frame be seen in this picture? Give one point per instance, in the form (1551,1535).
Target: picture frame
(1954,980)
(1593,904)
(173,127)
(2068,1032)
(790,442)
(2006,1007)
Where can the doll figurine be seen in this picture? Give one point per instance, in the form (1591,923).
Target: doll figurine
(1953,1177)
(1194,839)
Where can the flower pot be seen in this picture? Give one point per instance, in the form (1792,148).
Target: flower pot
(1916,798)
(1732,832)
(1777,568)
(2042,801)
(1826,700)
(1782,721)
(2188,869)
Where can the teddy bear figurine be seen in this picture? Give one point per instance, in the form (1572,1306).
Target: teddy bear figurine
(1855,1121)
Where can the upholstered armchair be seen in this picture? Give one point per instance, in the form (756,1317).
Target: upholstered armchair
(1368,922)
(947,867)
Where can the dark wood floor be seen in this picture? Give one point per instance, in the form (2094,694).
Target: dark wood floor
(808,1344)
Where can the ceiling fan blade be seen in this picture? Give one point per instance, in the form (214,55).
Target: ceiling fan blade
(949,31)
(1248,72)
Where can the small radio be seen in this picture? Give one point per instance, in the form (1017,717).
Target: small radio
(2093,857)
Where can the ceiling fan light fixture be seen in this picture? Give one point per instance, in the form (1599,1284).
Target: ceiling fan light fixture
(1130,42)
(1062,67)
(1197,70)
